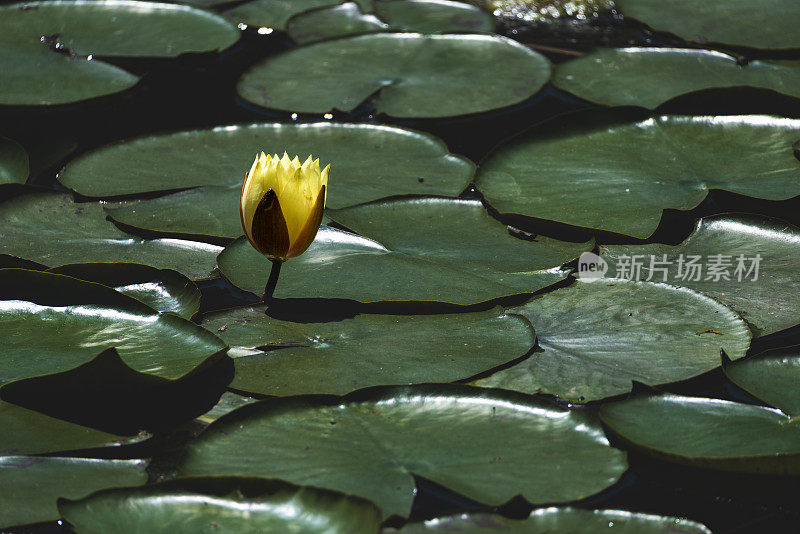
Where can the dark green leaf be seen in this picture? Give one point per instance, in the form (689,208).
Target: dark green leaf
(736,22)
(489,446)
(598,337)
(31,485)
(619,177)
(224,505)
(367,350)
(708,433)
(50,229)
(414,75)
(164,290)
(766,297)
(425,249)
(772,377)
(648,77)
(13,161)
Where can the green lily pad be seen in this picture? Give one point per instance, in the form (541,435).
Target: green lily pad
(53,323)
(772,377)
(489,446)
(708,433)
(402,75)
(164,290)
(31,485)
(765,296)
(227,403)
(51,229)
(423,16)
(620,177)
(367,350)
(221,504)
(39,77)
(733,22)
(138,28)
(107,394)
(29,432)
(334,21)
(276,13)
(424,249)
(648,77)
(13,162)
(598,337)
(546,520)
(368,162)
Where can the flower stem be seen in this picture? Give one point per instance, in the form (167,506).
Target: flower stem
(272,281)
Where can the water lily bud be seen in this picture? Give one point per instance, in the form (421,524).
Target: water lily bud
(282,204)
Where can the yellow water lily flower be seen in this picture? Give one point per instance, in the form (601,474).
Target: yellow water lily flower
(282,204)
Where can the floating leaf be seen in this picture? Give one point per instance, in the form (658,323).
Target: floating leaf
(765,296)
(648,77)
(105,393)
(31,485)
(138,28)
(368,162)
(50,229)
(708,433)
(423,16)
(734,22)
(221,504)
(425,249)
(546,520)
(772,377)
(620,177)
(29,432)
(489,446)
(367,350)
(53,323)
(164,290)
(227,403)
(39,77)
(403,74)
(276,13)
(598,337)
(13,162)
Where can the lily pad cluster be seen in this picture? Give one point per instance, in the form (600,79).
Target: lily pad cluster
(506,330)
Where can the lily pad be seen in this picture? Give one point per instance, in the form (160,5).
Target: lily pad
(708,433)
(367,350)
(758,264)
(772,377)
(335,21)
(648,77)
(620,177)
(401,74)
(368,162)
(13,162)
(106,394)
(53,323)
(221,504)
(29,432)
(31,485)
(423,16)
(227,403)
(276,13)
(424,249)
(489,446)
(546,520)
(164,290)
(733,22)
(83,27)
(598,337)
(51,229)
(39,77)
